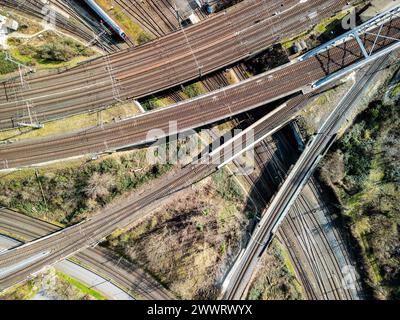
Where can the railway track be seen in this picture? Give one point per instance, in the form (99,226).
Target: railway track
(62,244)
(119,271)
(157,17)
(68,241)
(16,224)
(309,226)
(321,273)
(73,24)
(100,36)
(33,226)
(316,261)
(194,113)
(176,58)
(290,190)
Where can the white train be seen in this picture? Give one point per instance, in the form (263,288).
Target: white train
(104,16)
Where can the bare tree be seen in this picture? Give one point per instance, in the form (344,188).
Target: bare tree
(99,186)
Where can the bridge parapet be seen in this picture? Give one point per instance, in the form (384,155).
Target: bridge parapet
(380,20)
(372,32)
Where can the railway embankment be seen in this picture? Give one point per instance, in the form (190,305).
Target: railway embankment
(362,171)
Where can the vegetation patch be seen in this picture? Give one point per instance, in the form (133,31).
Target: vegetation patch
(193,90)
(51,285)
(330,23)
(68,194)
(325,29)
(82,287)
(6,66)
(275,279)
(363,170)
(22,292)
(395,91)
(189,91)
(271,58)
(48,50)
(311,117)
(69,124)
(61,51)
(188,242)
(287,43)
(154,102)
(132,29)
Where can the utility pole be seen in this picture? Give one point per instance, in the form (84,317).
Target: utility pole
(24,86)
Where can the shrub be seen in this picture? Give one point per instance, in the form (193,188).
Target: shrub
(99,186)
(144,37)
(5,65)
(54,52)
(192,90)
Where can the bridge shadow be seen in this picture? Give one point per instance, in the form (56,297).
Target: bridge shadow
(142,282)
(272,165)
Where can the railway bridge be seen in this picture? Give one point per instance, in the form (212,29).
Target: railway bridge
(23,261)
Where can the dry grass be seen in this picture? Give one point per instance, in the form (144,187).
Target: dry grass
(189,241)
(314,114)
(274,280)
(133,30)
(72,123)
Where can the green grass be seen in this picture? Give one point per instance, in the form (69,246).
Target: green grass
(15,53)
(369,193)
(395,91)
(84,288)
(188,92)
(193,90)
(24,291)
(152,103)
(370,188)
(321,100)
(287,43)
(290,268)
(5,65)
(133,30)
(323,26)
(12,235)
